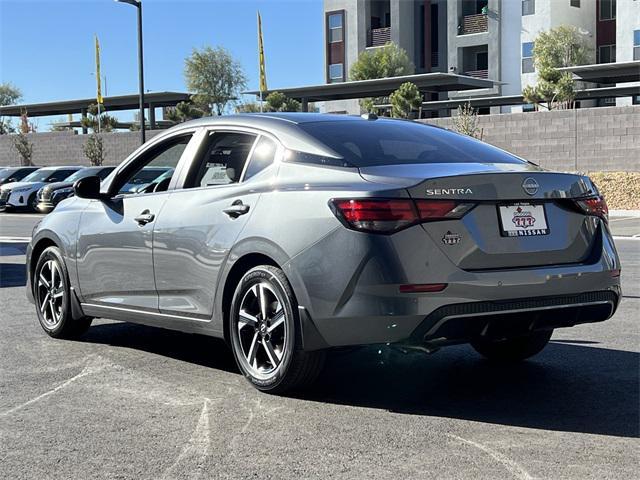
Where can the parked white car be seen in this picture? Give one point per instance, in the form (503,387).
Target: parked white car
(24,193)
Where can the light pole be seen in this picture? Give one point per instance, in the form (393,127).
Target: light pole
(138,5)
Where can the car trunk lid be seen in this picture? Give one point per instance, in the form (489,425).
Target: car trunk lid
(523,216)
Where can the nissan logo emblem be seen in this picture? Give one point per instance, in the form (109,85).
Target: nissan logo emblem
(530,186)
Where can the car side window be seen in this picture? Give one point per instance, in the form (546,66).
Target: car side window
(225,156)
(152,172)
(262,156)
(60,175)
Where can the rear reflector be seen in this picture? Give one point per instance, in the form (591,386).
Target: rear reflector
(391,215)
(422,287)
(615,273)
(594,206)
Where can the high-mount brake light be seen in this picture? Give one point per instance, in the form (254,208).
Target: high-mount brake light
(391,215)
(594,206)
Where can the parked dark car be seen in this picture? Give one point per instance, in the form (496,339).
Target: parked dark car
(50,195)
(15,174)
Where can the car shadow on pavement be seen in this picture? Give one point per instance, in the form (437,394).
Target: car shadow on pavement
(567,387)
(571,386)
(197,349)
(13,275)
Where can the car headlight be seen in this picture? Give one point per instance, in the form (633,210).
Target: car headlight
(20,189)
(64,191)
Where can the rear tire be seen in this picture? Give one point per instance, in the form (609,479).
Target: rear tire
(265,336)
(513,349)
(52,294)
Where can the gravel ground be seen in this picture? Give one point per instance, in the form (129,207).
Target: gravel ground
(620,189)
(129,402)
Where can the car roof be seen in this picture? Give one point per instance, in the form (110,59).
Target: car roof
(284,125)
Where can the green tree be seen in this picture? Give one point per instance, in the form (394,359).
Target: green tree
(9,95)
(382,62)
(248,107)
(466,122)
(185,111)
(215,77)
(107,122)
(279,102)
(387,61)
(563,46)
(405,100)
(94,149)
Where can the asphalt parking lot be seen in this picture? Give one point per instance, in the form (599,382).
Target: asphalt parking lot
(128,401)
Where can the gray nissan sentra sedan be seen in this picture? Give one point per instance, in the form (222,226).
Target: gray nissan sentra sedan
(290,234)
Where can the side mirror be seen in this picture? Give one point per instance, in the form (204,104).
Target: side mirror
(88,187)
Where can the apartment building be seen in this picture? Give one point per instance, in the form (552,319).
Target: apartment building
(481,38)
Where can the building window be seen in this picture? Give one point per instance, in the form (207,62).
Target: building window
(636,44)
(607,9)
(575,3)
(335,27)
(606,54)
(527,57)
(528,7)
(335,72)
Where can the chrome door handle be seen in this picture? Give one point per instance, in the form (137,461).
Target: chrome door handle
(144,218)
(236,209)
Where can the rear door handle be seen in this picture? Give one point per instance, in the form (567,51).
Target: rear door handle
(144,218)
(236,209)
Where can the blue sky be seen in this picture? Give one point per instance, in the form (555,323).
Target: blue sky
(47,50)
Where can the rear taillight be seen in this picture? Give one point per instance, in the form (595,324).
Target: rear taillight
(391,215)
(594,206)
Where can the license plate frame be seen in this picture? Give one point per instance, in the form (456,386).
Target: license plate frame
(530,221)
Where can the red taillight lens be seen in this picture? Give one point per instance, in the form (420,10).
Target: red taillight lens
(390,215)
(594,206)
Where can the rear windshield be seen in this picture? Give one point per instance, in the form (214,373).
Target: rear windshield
(373,143)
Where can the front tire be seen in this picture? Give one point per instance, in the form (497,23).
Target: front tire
(52,294)
(513,349)
(33,203)
(263,326)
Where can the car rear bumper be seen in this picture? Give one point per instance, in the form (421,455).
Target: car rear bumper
(349,284)
(454,324)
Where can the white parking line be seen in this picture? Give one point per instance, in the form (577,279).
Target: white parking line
(15,239)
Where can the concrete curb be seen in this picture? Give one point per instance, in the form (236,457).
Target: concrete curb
(624,213)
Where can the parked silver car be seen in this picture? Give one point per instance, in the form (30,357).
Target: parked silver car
(289,234)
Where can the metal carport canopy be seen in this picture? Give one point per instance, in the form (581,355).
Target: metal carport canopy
(618,72)
(382,87)
(121,102)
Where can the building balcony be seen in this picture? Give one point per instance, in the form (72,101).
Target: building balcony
(478,73)
(379,37)
(473,24)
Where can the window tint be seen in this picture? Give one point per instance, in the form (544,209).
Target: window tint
(224,159)
(381,142)
(60,175)
(262,156)
(160,160)
(527,57)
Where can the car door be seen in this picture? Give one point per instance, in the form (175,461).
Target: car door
(200,222)
(114,248)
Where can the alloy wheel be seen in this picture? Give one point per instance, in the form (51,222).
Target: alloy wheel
(262,329)
(50,293)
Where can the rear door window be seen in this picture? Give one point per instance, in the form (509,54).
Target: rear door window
(223,161)
(262,156)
